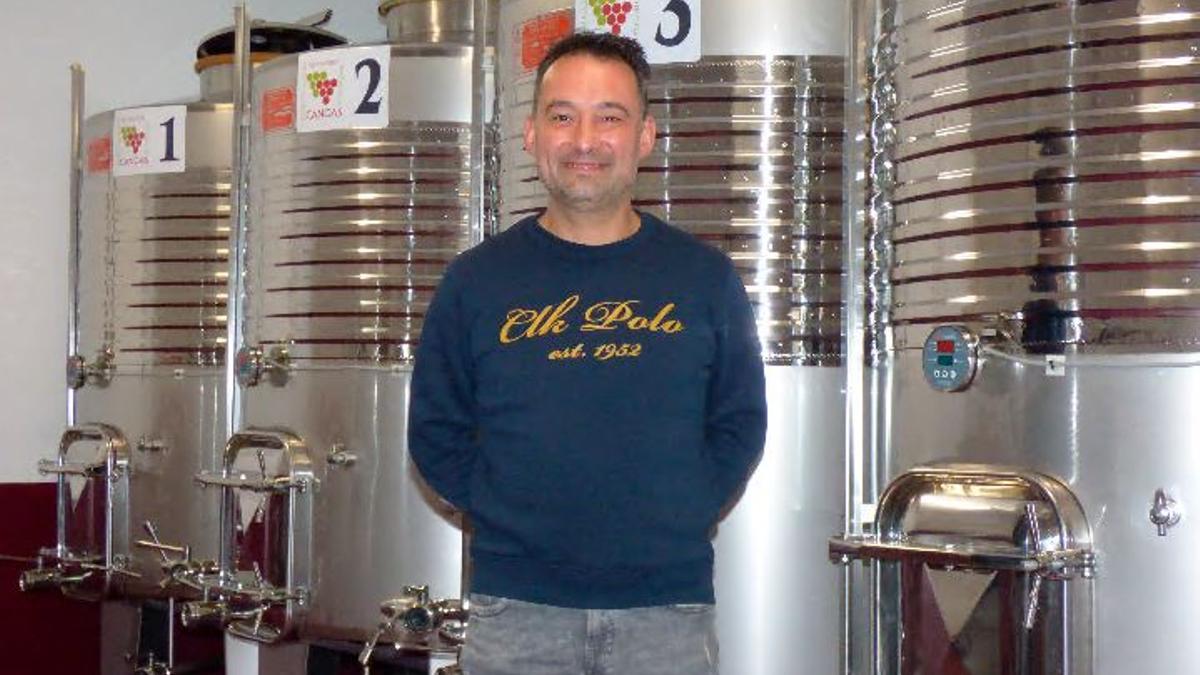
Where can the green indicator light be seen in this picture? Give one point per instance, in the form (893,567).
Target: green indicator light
(946,360)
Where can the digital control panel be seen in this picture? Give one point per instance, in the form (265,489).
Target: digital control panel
(949,358)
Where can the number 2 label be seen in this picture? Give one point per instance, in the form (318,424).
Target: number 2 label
(342,88)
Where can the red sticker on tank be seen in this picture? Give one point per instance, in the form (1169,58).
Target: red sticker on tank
(540,33)
(278,109)
(99,155)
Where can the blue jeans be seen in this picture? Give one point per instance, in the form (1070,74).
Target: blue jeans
(511,637)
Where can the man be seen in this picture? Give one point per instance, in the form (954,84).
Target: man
(589,391)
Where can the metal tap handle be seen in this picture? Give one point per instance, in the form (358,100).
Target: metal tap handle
(1035,591)
(1164,514)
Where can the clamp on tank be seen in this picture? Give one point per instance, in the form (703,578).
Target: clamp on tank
(414,620)
(68,566)
(99,372)
(245,602)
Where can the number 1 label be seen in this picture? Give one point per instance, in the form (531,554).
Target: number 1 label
(149,140)
(343,88)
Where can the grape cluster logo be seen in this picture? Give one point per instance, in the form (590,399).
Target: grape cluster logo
(132,137)
(611,16)
(321,86)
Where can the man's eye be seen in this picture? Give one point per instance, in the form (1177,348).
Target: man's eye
(560,117)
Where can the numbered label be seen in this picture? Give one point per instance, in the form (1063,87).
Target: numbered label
(343,88)
(669,30)
(149,140)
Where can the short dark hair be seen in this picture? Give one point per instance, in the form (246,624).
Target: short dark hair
(601,46)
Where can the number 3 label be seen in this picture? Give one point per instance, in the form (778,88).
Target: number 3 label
(149,140)
(669,30)
(342,88)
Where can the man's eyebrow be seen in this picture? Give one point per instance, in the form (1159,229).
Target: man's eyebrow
(605,105)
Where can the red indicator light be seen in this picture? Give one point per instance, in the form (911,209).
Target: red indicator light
(945,346)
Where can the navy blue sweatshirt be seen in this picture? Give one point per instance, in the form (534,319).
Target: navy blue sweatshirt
(591,408)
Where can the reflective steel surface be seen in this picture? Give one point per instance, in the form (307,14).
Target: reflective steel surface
(153,254)
(348,234)
(351,230)
(1045,156)
(776,591)
(1028,170)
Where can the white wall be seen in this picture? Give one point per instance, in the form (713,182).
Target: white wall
(135,52)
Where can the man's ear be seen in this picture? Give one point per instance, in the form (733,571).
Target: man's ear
(647,137)
(528,134)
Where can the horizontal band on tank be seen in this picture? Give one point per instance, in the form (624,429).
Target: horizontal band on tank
(1036,225)
(683,168)
(180,284)
(805,304)
(194,326)
(358,287)
(379,181)
(215,237)
(344,315)
(1050,49)
(1043,92)
(740,99)
(339,341)
(178,305)
(1047,270)
(374,233)
(1044,135)
(366,262)
(377,207)
(1107,177)
(191,216)
(383,155)
(1097,313)
(739,133)
(678,201)
(190,195)
(174,350)
(1032,9)
(156,261)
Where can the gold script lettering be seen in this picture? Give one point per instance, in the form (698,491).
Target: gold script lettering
(535,323)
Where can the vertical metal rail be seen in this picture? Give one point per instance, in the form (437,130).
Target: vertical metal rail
(479,64)
(853,292)
(73,233)
(236,287)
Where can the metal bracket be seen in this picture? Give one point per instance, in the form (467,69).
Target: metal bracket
(1164,513)
(100,372)
(252,362)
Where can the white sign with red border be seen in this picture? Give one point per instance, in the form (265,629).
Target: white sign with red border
(668,30)
(149,140)
(343,88)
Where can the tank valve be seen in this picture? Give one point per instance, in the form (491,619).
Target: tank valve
(208,612)
(40,579)
(99,372)
(1164,514)
(414,618)
(252,363)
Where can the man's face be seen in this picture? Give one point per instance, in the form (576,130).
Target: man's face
(587,133)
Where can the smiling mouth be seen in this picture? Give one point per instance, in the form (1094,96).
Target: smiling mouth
(584,166)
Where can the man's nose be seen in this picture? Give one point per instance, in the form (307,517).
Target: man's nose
(585,133)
